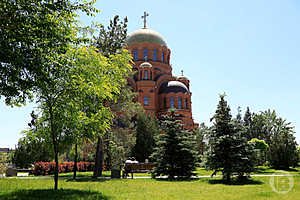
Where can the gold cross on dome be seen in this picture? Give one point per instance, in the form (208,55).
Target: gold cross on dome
(144,17)
(182,72)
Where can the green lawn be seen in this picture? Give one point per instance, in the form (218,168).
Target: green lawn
(139,189)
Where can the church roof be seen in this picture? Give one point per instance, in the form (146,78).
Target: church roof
(173,86)
(145,35)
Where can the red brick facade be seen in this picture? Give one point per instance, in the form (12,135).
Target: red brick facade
(158,89)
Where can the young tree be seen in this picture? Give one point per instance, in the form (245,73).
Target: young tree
(260,148)
(109,42)
(146,129)
(80,94)
(229,151)
(174,154)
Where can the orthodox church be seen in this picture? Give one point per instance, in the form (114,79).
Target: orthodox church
(157,87)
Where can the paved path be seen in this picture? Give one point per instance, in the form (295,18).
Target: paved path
(148,177)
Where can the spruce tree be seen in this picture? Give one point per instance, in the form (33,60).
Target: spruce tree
(174,154)
(146,129)
(229,151)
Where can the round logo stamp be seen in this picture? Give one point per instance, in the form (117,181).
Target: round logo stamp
(281,182)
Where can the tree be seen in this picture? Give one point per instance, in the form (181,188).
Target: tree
(279,135)
(122,137)
(146,129)
(32,34)
(78,96)
(174,154)
(201,133)
(113,38)
(33,146)
(247,122)
(109,42)
(260,147)
(229,151)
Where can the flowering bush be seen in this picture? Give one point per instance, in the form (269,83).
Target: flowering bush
(47,168)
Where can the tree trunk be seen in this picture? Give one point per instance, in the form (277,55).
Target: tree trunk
(99,158)
(55,146)
(56,171)
(75,161)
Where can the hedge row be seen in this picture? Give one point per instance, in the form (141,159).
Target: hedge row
(47,168)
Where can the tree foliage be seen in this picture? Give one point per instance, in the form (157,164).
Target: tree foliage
(32,35)
(229,151)
(145,131)
(112,38)
(201,134)
(174,153)
(279,135)
(33,146)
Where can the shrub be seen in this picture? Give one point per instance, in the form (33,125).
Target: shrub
(47,168)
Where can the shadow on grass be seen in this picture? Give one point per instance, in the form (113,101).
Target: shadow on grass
(87,179)
(176,179)
(236,182)
(272,171)
(52,194)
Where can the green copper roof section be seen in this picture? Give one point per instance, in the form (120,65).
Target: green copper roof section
(145,35)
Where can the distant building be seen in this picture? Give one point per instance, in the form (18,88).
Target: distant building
(5,150)
(157,87)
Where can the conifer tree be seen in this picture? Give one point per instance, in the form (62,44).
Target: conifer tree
(146,129)
(174,154)
(229,151)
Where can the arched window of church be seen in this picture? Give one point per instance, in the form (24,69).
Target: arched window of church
(150,75)
(146,75)
(172,105)
(165,102)
(162,56)
(145,53)
(185,104)
(179,103)
(135,54)
(146,100)
(141,75)
(154,54)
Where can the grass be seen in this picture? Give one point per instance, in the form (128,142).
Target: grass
(203,188)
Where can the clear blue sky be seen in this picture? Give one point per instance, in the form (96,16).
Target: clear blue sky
(248,49)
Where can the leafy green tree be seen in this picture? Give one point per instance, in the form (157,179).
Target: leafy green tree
(279,135)
(78,97)
(109,42)
(174,154)
(32,34)
(229,151)
(32,147)
(260,148)
(122,137)
(146,129)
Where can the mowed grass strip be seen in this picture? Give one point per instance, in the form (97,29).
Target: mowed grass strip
(137,189)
